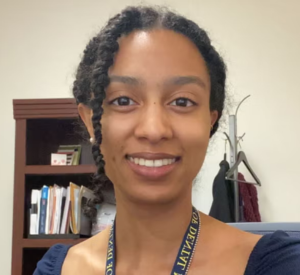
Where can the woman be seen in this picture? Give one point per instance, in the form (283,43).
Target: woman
(150,89)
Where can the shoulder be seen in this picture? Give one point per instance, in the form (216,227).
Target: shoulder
(276,253)
(52,261)
(88,257)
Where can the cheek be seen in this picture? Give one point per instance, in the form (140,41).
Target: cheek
(194,136)
(114,134)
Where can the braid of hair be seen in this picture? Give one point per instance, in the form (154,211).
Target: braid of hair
(107,48)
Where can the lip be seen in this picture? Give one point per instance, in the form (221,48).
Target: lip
(152,173)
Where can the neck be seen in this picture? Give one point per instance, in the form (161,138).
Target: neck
(151,231)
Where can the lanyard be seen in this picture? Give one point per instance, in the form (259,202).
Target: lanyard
(185,253)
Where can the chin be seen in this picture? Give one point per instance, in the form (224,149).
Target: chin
(148,186)
(153,194)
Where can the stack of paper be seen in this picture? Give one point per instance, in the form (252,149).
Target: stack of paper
(56,210)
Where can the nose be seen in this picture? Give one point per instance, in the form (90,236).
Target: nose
(154,124)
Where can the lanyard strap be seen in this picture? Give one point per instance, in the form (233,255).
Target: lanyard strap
(185,253)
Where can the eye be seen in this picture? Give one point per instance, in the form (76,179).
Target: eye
(182,102)
(123,101)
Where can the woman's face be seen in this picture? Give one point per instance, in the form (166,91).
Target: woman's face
(157,120)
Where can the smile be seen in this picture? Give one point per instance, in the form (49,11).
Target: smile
(152,166)
(152,163)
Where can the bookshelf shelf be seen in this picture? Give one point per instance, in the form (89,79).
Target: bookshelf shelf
(46,243)
(59,170)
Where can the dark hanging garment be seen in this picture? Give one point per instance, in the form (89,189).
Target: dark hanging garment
(222,207)
(248,194)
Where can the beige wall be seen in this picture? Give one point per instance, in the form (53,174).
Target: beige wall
(40,44)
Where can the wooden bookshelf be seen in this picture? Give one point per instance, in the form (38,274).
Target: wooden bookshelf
(58,170)
(46,243)
(41,126)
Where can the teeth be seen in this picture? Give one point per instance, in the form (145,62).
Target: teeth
(149,163)
(141,161)
(152,163)
(158,163)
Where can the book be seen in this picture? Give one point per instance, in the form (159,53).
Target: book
(74,196)
(34,212)
(48,211)
(53,211)
(43,212)
(71,160)
(39,194)
(75,159)
(62,207)
(66,213)
(58,191)
(68,224)
(84,223)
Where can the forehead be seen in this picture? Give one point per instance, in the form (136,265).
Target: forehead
(158,54)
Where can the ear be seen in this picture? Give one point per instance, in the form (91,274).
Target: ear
(213,117)
(86,115)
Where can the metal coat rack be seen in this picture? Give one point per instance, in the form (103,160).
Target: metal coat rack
(233,143)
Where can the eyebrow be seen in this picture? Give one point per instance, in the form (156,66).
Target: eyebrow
(133,81)
(176,81)
(183,80)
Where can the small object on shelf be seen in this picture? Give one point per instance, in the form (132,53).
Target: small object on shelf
(73,151)
(58,159)
(70,157)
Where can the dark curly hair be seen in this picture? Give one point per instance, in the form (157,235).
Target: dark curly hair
(92,73)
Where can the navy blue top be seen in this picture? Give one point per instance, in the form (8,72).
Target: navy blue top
(274,254)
